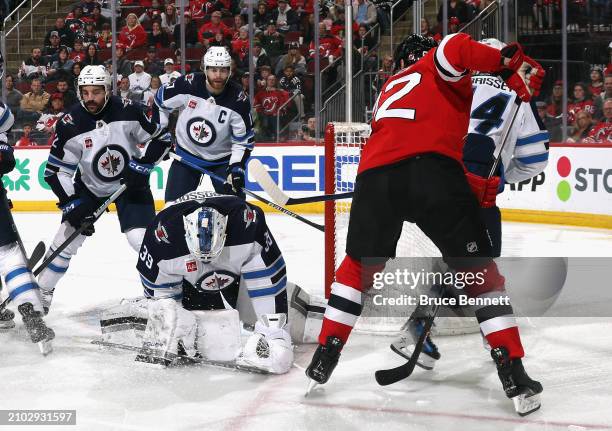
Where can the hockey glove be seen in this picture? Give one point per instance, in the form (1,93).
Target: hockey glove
(513,53)
(136,176)
(78,211)
(526,81)
(235,177)
(7,159)
(269,348)
(485,189)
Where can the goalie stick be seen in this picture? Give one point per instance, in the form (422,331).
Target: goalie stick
(248,192)
(187,359)
(273,190)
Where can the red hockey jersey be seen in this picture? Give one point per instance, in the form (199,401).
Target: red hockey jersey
(426,107)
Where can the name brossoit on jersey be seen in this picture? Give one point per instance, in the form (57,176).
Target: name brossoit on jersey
(250,258)
(209,127)
(98,147)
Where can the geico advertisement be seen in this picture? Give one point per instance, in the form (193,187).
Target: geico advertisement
(298,169)
(575,180)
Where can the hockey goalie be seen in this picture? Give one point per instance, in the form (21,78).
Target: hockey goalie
(195,258)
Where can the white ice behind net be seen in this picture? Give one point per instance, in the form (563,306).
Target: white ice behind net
(349,139)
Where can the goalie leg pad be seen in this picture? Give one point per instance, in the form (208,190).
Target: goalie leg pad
(218,334)
(125,323)
(168,325)
(20,283)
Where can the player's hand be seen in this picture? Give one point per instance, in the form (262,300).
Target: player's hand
(7,159)
(513,57)
(535,75)
(485,189)
(136,175)
(78,211)
(235,177)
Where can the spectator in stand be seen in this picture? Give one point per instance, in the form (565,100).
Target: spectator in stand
(109,67)
(292,84)
(238,24)
(220,40)
(261,78)
(151,13)
(33,67)
(75,22)
(240,46)
(262,17)
(601,133)
(597,78)
(90,37)
(364,44)
(171,74)
(124,66)
(169,19)
(426,28)
(273,42)
(87,6)
(123,90)
(268,104)
(456,8)
(34,102)
(198,8)
(453,25)
(75,72)
(384,72)
(582,126)
(140,81)
(149,95)
(105,38)
(152,65)
(78,54)
(54,46)
(177,62)
(97,18)
(65,35)
(260,58)
(554,107)
(56,105)
(582,102)
(132,35)
(308,132)
(208,30)
(244,82)
(364,12)
(26,140)
(92,56)
(285,17)
(605,94)
(70,97)
(158,38)
(13,96)
(294,58)
(329,45)
(552,124)
(60,68)
(191,33)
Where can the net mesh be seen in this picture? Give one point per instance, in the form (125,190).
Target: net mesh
(344,141)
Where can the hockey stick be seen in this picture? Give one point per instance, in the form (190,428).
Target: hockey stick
(513,114)
(248,192)
(187,359)
(96,216)
(273,190)
(394,375)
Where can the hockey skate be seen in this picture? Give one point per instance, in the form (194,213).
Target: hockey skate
(524,392)
(38,331)
(6,319)
(404,347)
(46,297)
(323,362)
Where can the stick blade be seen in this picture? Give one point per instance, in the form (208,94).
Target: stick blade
(267,183)
(37,254)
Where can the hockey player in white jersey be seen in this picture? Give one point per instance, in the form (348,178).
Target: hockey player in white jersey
(97,145)
(195,257)
(524,156)
(18,279)
(214,129)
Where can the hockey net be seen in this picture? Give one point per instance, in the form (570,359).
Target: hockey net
(343,144)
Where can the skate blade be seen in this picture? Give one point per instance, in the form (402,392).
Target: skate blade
(525,404)
(311,385)
(45,347)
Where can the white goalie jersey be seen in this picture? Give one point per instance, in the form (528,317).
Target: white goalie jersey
(525,153)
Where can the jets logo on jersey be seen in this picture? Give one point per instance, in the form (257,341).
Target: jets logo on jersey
(161,235)
(67,119)
(109,162)
(242,97)
(249,217)
(201,132)
(216,281)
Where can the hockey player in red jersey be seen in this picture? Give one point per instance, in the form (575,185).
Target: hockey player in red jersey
(411,170)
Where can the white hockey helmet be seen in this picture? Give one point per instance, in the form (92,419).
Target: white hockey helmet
(94,75)
(205,233)
(493,43)
(216,56)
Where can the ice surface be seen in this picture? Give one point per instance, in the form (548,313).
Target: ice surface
(571,357)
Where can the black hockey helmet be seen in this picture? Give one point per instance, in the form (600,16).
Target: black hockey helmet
(412,49)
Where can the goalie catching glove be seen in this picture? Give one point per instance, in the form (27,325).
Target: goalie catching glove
(269,348)
(485,189)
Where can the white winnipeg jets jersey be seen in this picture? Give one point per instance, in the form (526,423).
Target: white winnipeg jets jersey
(525,153)
(210,127)
(97,147)
(6,122)
(250,258)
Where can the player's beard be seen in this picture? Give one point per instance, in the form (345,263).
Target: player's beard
(93,107)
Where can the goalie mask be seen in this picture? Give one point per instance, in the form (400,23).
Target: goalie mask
(412,49)
(96,76)
(205,233)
